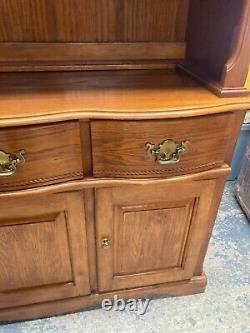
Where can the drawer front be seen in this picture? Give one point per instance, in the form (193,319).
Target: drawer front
(176,146)
(52,155)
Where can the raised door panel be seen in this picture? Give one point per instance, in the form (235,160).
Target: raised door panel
(137,250)
(155,232)
(43,253)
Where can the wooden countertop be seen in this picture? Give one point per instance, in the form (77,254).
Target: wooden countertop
(27,98)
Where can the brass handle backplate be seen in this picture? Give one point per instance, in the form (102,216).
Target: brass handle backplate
(9,162)
(106,243)
(168,152)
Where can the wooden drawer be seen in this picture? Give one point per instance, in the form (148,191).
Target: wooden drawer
(52,154)
(119,147)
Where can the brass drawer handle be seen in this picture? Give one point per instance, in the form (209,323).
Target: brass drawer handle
(9,162)
(168,152)
(106,243)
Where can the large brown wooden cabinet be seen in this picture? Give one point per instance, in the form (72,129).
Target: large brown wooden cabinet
(118,121)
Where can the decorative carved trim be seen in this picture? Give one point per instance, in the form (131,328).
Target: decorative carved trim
(94,182)
(155,171)
(71,175)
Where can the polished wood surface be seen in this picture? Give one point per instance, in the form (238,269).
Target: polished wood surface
(52,153)
(124,205)
(93,66)
(235,69)
(119,147)
(43,249)
(89,205)
(209,39)
(65,32)
(150,237)
(236,127)
(86,148)
(216,26)
(92,20)
(143,94)
(212,214)
(111,76)
(223,26)
(84,53)
(150,193)
(142,225)
(95,183)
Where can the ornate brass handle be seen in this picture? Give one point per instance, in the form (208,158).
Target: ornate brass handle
(168,152)
(9,162)
(106,243)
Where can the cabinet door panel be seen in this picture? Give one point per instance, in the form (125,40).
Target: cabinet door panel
(137,250)
(43,254)
(155,232)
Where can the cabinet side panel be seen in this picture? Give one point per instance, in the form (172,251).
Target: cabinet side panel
(211,29)
(218,39)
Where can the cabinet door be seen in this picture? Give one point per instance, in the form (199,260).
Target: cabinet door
(43,252)
(150,234)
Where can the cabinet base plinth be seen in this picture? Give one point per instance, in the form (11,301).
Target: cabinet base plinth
(195,285)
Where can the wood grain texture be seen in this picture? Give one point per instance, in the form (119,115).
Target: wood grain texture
(139,94)
(120,266)
(80,53)
(21,239)
(52,35)
(236,127)
(236,68)
(49,33)
(84,134)
(208,229)
(43,249)
(90,183)
(119,147)
(150,237)
(216,21)
(52,153)
(89,66)
(199,74)
(222,26)
(29,202)
(89,204)
(92,20)
(86,147)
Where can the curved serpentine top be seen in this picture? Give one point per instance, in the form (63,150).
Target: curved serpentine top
(30,98)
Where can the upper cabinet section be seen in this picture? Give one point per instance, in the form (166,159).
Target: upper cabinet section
(93,20)
(208,39)
(75,34)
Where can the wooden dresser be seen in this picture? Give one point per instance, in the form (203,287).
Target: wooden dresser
(118,121)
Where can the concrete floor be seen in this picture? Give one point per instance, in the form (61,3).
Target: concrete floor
(225,306)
